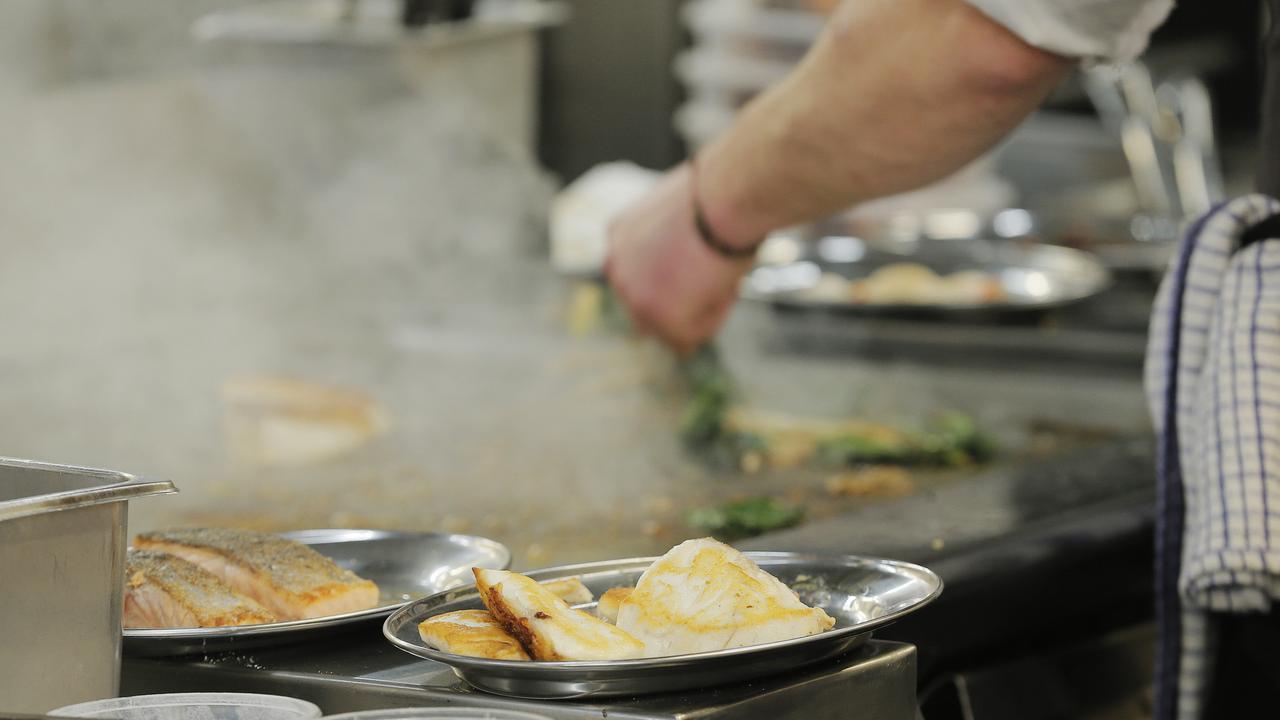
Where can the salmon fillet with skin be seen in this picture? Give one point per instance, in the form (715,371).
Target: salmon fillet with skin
(165,591)
(704,596)
(288,578)
(471,632)
(546,626)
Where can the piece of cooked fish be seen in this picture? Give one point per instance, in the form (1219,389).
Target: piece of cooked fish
(288,578)
(704,595)
(570,590)
(610,601)
(165,591)
(471,632)
(546,626)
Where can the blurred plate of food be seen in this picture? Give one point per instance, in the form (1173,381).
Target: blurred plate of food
(701,615)
(913,272)
(208,589)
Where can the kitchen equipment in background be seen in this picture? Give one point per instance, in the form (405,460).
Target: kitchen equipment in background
(415,13)
(62,546)
(1166,134)
(190,706)
(306,80)
(583,102)
(404,565)
(1196,167)
(862,594)
(739,49)
(1166,131)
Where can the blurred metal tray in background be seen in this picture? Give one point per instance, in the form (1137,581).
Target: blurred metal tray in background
(817,268)
(404,565)
(862,594)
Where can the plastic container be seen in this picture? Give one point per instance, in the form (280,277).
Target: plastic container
(195,706)
(439,713)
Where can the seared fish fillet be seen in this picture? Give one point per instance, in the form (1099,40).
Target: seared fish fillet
(610,602)
(165,591)
(288,578)
(471,632)
(546,626)
(570,590)
(704,595)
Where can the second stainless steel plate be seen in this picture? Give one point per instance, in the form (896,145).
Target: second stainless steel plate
(862,594)
(404,565)
(819,272)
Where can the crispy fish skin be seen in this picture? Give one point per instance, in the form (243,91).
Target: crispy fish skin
(471,632)
(546,626)
(165,591)
(610,602)
(704,596)
(288,578)
(569,589)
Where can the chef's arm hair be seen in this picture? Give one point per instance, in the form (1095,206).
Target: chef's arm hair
(893,95)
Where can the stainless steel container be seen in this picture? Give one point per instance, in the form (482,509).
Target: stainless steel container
(62,547)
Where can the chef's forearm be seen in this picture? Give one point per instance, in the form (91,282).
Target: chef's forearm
(895,94)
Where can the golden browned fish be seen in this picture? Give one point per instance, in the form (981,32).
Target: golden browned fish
(165,591)
(704,595)
(570,590)
(471,632)
(288,578)
(546,626)
(610,601)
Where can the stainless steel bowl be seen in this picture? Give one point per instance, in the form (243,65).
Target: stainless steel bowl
(862,594)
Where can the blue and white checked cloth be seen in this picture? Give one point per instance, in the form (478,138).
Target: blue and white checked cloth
(1213,384)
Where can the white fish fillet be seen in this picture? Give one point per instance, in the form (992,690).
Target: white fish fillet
(546,626)
(471,632)
(610,602)
(569,589)
(704,596)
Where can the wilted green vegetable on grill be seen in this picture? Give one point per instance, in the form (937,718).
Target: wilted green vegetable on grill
(745,518)
(724,432)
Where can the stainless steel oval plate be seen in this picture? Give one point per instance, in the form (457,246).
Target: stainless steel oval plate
(819,272)
(862,594)
(404,565)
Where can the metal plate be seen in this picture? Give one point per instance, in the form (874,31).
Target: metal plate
(404,565)
(804,272)
(862,594)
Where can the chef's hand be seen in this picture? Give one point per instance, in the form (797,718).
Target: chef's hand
(673,284)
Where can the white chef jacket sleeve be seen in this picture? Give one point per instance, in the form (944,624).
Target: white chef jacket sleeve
(1111,30)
